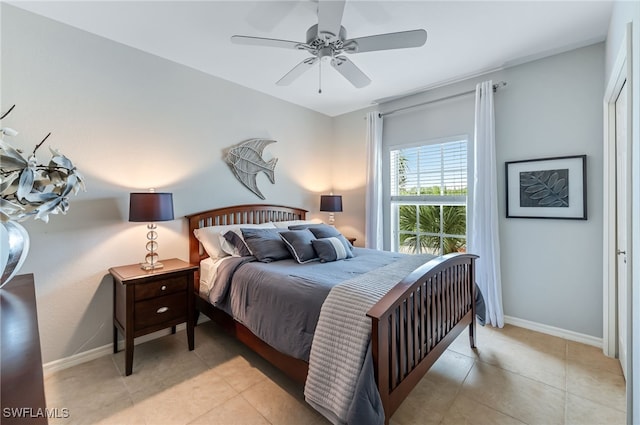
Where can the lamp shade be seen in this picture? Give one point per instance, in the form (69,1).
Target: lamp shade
(331,203)
(150,206)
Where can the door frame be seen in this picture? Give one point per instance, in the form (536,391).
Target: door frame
(621,72)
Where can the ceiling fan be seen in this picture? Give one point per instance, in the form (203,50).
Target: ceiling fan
(328,39)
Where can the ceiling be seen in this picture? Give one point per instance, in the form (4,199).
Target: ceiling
(465,38)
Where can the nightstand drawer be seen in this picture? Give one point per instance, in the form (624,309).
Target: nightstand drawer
(157,311)
(160,287)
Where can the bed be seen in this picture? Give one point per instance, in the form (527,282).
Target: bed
(410,326)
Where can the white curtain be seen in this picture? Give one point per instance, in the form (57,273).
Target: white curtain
(373,224)
(483,227)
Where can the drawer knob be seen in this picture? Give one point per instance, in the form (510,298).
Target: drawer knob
(164,287)
(162,310)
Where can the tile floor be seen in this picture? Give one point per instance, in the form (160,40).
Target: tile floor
(515,376)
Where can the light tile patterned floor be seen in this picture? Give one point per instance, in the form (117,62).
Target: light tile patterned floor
(515,376)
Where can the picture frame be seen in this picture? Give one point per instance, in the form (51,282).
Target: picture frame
(553,188)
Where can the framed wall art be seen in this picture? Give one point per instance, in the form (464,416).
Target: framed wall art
(547,188)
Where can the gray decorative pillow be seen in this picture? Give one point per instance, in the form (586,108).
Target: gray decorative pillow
(265,244)
(321,231)
(239,247)
(332,249)
(298,243)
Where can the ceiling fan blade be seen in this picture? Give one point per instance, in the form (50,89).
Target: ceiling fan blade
(330,17)
(269,42)
(350,71)
(394,40)
(297,71)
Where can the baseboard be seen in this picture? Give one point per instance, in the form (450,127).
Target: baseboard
(105,350)
(552,330)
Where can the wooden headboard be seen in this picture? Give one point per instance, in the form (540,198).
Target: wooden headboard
(238,214)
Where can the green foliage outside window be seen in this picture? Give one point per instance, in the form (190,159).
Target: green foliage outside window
(423,226)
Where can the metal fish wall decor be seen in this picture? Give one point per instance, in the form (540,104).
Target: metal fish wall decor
(245,160)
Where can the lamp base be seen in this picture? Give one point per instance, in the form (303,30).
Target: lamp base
(148,266)
(332,219)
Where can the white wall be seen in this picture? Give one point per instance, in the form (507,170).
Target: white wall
(130,121)
(551,269)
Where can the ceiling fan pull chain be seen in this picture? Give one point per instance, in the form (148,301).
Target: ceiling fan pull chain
(320,76)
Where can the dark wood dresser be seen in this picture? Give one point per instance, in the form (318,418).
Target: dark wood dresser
(22,387)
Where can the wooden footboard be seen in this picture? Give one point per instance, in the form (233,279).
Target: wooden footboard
(417,320)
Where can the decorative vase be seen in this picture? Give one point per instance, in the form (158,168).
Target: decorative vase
(14,247)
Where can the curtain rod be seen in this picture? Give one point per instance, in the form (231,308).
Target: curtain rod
(496,86)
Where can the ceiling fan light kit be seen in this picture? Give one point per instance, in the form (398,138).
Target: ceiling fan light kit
(328,39)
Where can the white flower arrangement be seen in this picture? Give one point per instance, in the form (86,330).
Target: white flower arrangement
(29,189)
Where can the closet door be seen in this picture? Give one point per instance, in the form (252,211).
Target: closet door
(622,221)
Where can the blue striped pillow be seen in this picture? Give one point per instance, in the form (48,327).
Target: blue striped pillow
(332,249)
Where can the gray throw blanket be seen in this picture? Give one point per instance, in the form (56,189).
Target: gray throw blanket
(343,334)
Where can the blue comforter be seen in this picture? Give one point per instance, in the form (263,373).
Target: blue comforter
(280,301)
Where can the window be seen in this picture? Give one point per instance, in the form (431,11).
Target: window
(429,197)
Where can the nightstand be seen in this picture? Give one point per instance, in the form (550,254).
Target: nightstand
(146,301)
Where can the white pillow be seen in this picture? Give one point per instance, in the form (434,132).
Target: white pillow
(212,237)
(286,224)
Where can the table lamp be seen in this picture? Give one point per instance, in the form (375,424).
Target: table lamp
(151,207)
(331,204)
